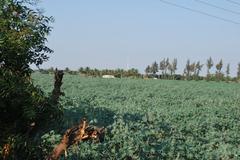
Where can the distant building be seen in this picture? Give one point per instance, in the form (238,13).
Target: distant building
(108,76)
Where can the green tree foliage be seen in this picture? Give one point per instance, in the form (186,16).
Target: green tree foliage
(119,73)
(25,110)
(22,38)
(209,66)
(132,73)
(154,68)
(198,69)
(187,70)
(162,67)
(192,70)
(168,68)
(88,71)
(148,70)
(67,70)
(228,72)
(219,66)
(166,65)
(174,66)
(238,71)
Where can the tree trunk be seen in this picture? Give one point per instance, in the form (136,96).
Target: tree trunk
(56,93)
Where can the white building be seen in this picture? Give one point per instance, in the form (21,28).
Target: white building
(108,76)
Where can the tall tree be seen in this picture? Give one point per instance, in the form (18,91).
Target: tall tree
(193,70)
(87,71)
(81,70)
(209,66)
(174,65)
(238,71)
(154,68)
(187,70)
(198,69)
(162,67)
(219,66)
(170,69)
(148,69)
(228,72)
(166,65)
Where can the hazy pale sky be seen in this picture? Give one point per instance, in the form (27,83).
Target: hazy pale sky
(134,33)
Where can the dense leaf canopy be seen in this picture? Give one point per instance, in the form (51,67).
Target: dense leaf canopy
(23,34)
(25,109)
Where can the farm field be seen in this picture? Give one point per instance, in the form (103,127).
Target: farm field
(152,119)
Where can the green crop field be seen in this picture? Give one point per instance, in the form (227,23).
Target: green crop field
(152,119)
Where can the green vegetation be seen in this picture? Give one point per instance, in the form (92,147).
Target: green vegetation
(26,112)
(144,119)
(167,70)
(89,72)
(151,119)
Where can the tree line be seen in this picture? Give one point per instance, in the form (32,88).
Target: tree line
(94,72)
(166,69)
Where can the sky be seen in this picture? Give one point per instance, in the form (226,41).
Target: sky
(135,33)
